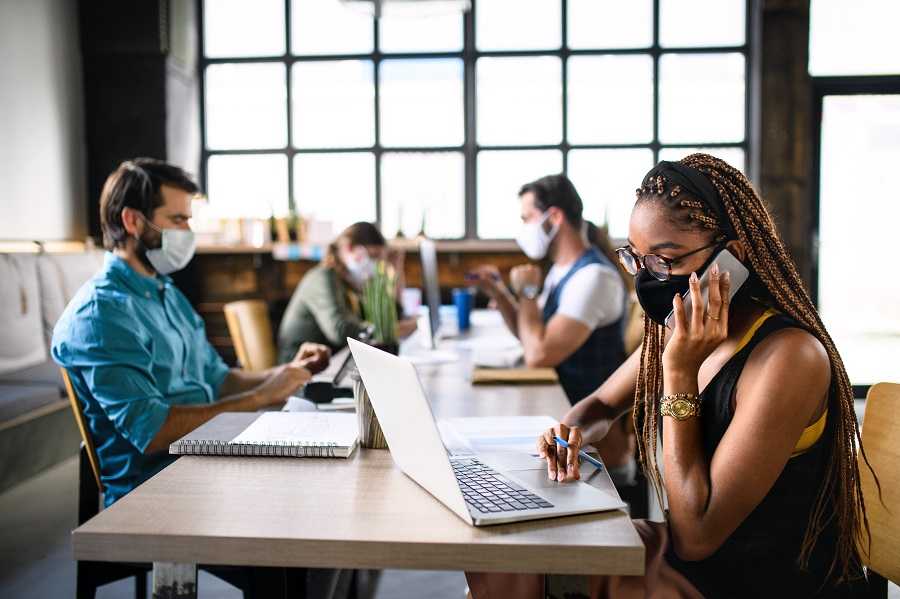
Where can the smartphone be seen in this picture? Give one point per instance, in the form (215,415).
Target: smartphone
(727,263)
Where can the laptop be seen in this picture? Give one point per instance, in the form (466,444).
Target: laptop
(346,372)
(476,491)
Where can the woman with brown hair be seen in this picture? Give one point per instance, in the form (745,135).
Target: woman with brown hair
(325,307)
(748,398)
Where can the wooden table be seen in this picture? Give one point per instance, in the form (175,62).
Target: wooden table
(356,513)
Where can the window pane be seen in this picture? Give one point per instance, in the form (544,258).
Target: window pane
(334,104)
(519,100)
(854,38)
(233,28)
(329,27)
(500,176)
(858,216)
(702,23)
(246,106)
(701,98)
(518,25)
(610,99)
(733,156)
(399,32)
(422,102)
(593,24)
(336,188)
(248,186)
(606,180)
(419,185)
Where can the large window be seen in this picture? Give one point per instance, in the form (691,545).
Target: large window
(314,106)
(855,60)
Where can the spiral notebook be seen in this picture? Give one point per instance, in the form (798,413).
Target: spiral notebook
(275,434)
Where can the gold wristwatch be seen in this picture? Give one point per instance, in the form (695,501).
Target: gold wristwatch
(680,406)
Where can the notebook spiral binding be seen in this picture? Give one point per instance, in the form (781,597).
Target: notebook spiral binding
(279,449)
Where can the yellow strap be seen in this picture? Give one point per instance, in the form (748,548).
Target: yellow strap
(752,330)
(810,435)
(814,431)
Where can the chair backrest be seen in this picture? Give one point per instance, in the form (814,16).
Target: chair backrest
(881,439)
(251,331)
(82,426)
(634,325)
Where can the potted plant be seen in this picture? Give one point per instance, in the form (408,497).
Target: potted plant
(379,303)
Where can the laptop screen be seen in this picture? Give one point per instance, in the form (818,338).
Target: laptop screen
(428,255)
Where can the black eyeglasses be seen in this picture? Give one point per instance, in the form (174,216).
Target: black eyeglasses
(658,266)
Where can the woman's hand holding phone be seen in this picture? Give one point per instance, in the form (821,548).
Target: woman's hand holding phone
(699,330)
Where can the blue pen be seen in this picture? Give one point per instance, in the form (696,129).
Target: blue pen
(581,452)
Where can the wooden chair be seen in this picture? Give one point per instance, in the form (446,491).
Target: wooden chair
(251,330)
(880,434)
(90,575)
(637,496)
(254,583)
(634,324)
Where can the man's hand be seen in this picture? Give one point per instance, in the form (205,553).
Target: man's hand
(313,356)
(284,382)
(487,278)
(523,276)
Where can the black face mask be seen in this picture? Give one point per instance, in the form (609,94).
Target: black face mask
(656,296)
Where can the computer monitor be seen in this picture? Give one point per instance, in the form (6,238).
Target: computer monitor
(428,255)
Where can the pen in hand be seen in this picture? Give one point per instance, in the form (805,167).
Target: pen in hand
(584,455)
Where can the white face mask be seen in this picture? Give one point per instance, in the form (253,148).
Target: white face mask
(177,249)
(534,241)
(360,269)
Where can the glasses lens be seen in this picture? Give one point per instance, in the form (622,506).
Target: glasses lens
(657,267)
(629,263)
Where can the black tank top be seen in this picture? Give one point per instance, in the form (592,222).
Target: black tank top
(760,559)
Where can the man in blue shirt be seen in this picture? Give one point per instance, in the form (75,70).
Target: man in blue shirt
(136,350)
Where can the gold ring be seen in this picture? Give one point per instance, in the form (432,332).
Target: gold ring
(708,315)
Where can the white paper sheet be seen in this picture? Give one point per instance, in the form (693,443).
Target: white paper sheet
(432,357)
(301,427)
(502,358)
(505,433)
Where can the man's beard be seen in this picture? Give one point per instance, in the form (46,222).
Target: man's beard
(149,240)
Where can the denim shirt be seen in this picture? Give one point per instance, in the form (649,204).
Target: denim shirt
(133,346)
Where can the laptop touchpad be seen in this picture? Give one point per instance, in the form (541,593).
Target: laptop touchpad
(587,487)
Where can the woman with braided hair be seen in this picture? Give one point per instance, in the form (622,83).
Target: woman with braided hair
(745,401)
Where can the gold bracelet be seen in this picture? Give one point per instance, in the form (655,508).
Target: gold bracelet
(680,406)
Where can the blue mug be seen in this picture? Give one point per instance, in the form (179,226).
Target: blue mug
(464,299)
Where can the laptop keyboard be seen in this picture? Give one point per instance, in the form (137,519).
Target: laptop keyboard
(488,492)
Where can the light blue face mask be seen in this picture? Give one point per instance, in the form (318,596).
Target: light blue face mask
(177,249)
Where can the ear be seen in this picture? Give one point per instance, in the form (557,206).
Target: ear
(556,216)
(737,247)
(132,222)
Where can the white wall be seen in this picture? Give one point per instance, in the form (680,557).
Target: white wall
(42,147)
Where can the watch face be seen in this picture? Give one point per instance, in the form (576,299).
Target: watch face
(681,408)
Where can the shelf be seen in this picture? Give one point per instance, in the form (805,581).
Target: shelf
(295,252)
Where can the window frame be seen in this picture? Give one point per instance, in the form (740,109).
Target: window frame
(470,55)
(841,85)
